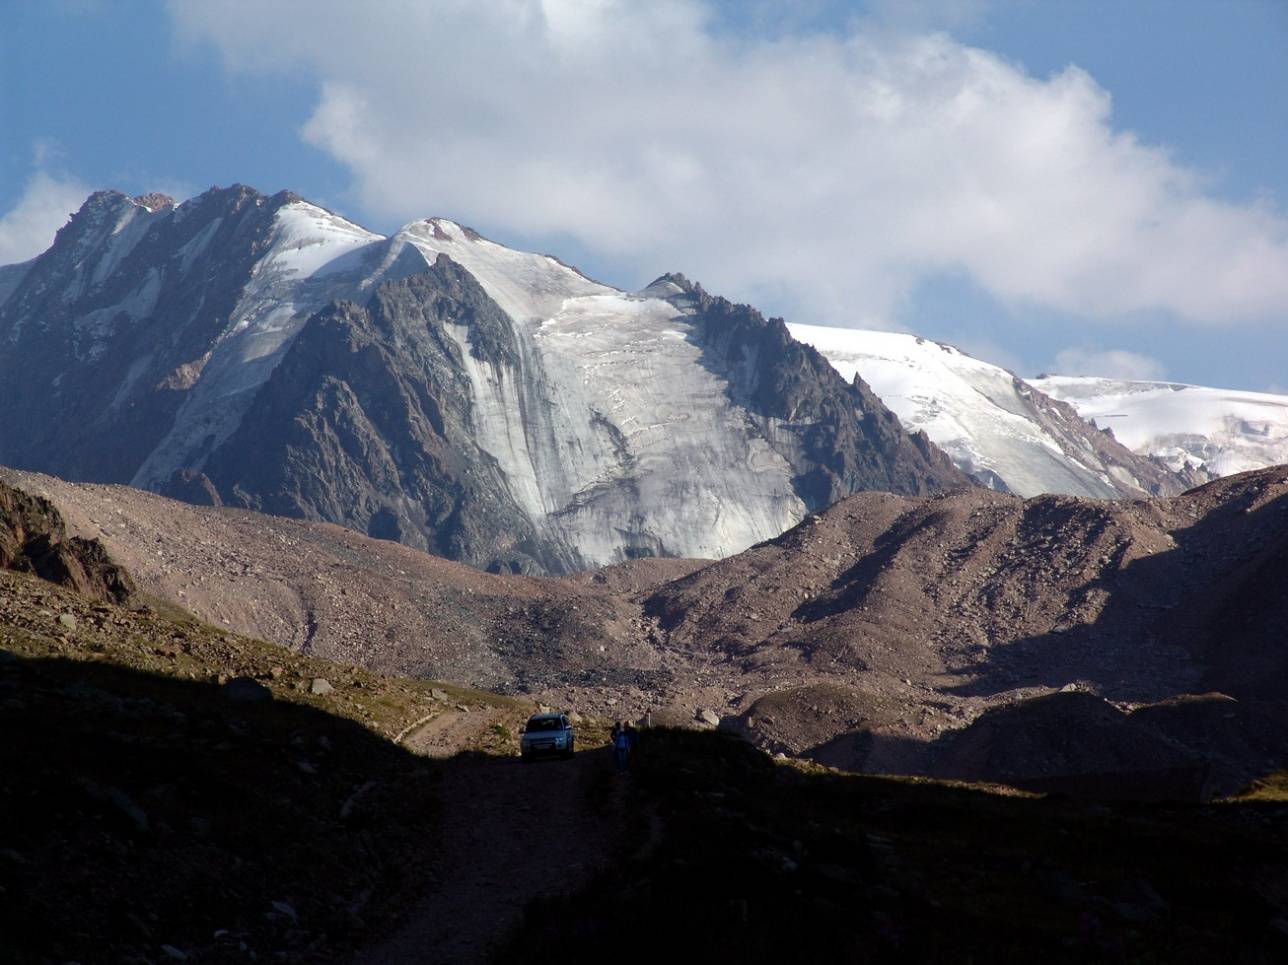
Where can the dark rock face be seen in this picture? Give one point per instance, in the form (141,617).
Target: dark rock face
(367,422)
(107,327)
(33,539)
(838,437)
(189,486)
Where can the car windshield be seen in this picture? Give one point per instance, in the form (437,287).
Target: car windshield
(545,723)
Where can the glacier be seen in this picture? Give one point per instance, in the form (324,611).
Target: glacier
(1223,431)
(993,425)
(627,431)
(300,271)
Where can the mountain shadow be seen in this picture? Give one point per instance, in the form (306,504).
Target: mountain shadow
(739,859)
(144,812)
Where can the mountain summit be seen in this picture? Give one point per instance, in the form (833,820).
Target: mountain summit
(433,387)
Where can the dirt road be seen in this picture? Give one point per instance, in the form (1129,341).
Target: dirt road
(510,831)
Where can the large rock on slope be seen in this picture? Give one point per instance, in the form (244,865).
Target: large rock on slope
(33,539)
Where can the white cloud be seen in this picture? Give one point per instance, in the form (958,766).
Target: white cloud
(986,350)
(1109,364)
(824,173)
(28,227)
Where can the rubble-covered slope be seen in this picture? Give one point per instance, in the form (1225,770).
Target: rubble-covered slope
(888,633)
(927,613)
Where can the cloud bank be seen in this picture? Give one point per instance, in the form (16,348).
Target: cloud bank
(1108,363)
(28,227)
(825,173)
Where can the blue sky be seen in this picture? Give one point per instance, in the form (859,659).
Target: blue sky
(1040,183)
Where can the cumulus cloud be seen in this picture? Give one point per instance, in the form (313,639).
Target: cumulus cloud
(1109,364)
(824,173)
(28,227)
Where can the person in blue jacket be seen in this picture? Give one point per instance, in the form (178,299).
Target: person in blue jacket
(621,746)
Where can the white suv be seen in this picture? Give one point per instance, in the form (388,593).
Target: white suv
(546,734)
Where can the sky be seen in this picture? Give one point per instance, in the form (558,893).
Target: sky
(1085,187)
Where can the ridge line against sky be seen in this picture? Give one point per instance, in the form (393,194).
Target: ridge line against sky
(1045,185)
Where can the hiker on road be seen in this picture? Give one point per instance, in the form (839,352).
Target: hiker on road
(621,746)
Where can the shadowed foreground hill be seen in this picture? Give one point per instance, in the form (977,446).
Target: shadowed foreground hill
(175,792)
(739,859)
(143,812)
(164,784)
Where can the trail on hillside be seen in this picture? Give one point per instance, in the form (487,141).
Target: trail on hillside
(510,831)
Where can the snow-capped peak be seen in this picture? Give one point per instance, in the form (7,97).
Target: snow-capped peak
(528,286)
(992,424)
(311,256)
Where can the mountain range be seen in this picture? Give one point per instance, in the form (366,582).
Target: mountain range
(849,550)
(432,387)
(998,428)
(500,408)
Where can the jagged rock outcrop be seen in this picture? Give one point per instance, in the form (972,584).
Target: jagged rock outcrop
(839,438)
(33,539)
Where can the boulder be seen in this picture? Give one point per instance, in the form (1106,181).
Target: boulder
(246,690)
(320,686)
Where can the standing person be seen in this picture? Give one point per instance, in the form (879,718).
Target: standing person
(621,746)
(632,739)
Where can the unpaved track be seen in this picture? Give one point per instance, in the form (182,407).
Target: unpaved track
(445,734)
(510,831)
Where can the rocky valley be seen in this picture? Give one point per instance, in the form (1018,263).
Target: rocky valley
(180,791)
(922,635)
